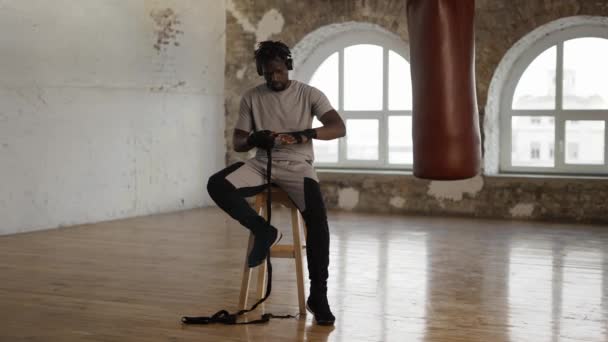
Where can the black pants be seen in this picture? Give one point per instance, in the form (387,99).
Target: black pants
(229,187)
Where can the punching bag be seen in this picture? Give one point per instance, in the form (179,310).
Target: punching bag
(445,127)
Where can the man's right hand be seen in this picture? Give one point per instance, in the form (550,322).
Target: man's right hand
(262,139)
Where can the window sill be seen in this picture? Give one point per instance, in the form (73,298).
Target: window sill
(497,175)
(365,171)
(546,176)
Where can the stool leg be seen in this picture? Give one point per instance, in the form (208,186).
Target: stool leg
(245,282)
(246,278)
(262,268)
(296,225)
(261,280)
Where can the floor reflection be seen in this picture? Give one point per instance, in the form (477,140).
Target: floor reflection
(454,279)
(530,296)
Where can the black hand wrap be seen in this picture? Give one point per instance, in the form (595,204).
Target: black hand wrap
(262,139)
(308,133)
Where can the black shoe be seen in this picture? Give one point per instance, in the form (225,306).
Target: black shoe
(320,309)
(263,240)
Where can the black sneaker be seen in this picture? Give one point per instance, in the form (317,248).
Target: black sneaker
(262,242)
(320,309)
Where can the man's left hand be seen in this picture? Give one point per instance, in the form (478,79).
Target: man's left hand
(296,137)
(286,139)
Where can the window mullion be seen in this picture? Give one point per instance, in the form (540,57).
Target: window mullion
(606,143)
(362,114)
(559,129)
(383,124)
(341,141)
(559,84)
(532,112)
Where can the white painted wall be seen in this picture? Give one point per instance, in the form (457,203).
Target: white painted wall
(95,122)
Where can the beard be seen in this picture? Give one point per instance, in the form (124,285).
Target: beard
(276,86)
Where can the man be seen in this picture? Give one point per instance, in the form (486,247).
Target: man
(278,115)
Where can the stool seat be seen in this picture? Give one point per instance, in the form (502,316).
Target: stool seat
(290,251)
(278,196)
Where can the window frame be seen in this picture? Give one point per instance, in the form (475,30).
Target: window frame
(561,115)
(338,43)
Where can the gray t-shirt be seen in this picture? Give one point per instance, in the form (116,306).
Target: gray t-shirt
(289,110)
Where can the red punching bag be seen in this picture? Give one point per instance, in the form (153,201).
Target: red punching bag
(445,127)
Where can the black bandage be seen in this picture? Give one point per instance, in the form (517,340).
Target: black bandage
(262,139)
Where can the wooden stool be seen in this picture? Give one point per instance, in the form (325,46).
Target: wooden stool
(293,251)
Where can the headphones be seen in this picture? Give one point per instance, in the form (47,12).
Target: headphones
(288,60)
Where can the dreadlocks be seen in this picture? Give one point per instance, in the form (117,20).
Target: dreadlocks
(270,50)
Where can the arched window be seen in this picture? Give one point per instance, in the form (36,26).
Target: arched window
(554,106)
(366,76)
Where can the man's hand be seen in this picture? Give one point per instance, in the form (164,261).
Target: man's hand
(300,137)
(262,139)
(286,139)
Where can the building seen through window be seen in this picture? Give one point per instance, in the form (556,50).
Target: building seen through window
(560,103)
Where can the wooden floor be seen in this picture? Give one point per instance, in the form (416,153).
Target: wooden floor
(392,278)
